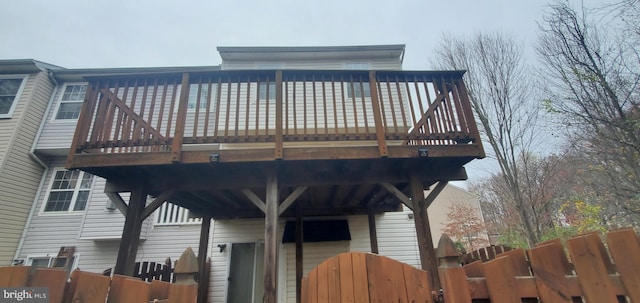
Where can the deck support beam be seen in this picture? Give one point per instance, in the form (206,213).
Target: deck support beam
(428,259)
(131,233)
(202,257)
(299,251)
(373,236)
(271,240)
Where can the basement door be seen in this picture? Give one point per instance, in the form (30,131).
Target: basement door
(246,269)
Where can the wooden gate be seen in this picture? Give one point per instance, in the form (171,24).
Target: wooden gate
(363,277)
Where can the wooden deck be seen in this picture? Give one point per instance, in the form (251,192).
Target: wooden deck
(208,137)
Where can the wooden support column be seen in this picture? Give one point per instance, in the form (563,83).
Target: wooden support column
(271,240)
(299,258)
(131,233)
(373,236)
(377,117)
(202,258)
(428,259)
(176,146)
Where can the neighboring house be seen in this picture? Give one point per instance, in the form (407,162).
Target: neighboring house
(72,209)
(25,90)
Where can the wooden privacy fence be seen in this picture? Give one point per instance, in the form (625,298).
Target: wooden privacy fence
(91,287)
(593,273)
(597,273)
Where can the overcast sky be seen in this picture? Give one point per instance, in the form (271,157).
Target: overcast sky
(127,33)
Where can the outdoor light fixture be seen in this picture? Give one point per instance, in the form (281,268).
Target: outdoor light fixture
(423,152)
(214,157)
(222,247)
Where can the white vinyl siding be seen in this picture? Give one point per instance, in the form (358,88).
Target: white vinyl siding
(21,174)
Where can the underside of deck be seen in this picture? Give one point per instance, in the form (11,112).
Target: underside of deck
(332,187)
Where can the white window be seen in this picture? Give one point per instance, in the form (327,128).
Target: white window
(10,89)
(262,95)
(71,102)
(263,91)
(69,191)
(39,261)
(50,261)
(204,96)
(359,90)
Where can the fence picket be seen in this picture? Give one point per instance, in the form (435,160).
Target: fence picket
(625,250)
(91,288)
(14,276)
(590,268)
(501,280)
(53,279)
(549,268)
(126,289)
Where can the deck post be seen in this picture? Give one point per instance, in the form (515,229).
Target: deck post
(373,236)
(131,233)
(202,257)
(377,117)
(299,256)
(176,146)
(428,259)
(271,240)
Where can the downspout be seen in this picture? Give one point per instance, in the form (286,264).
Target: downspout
(40,161)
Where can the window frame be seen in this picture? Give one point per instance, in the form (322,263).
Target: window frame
(16,98)
(28,261)
(262,92)
(74,197)
(59,103)
(357,91)
(214,90)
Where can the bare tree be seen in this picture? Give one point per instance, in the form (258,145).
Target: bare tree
(500,91)
(591,65)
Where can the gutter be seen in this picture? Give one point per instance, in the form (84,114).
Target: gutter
(40,161)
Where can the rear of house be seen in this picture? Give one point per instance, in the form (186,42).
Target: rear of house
(72,209)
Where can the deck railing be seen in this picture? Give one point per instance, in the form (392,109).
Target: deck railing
(165,112)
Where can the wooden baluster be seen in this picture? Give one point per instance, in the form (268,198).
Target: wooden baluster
(237,117)
(171,108)
(315,107)
(355,107)
(279,153)
(161,115)
(405,127)
(208,112)
(391,106)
